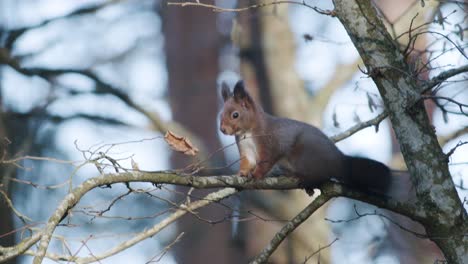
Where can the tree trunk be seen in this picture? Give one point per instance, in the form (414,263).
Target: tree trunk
(6,224)
(192,45)
(268,55)
(437,197)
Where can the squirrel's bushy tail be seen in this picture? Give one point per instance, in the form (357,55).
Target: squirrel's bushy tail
(367,175)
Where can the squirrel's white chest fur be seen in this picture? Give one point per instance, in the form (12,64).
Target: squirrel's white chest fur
(248,148)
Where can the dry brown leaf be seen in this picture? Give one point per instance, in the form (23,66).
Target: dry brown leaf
(180,144)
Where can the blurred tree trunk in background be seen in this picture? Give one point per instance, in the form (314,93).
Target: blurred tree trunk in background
(6,222)
(268,56)
(192,45)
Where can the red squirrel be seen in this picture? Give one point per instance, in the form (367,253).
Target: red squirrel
(296,148)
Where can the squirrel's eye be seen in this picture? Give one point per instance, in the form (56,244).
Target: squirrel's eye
(235,115)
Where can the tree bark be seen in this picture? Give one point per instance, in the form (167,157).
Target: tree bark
(6,224)
(440,207)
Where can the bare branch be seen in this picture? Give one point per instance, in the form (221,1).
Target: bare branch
(459,144)
(11,252)
(373,122)
(21,216)
(289,227)
(444,140)
(255,6)
(14,34)
(59,118)
(329,190)
(210,198)
(361,215)
(443,77)
(166,249)
(103,87)
(461,106)
(320,249)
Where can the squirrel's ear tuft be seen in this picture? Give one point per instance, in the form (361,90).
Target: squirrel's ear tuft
(239,90)
(241,94)
(225,91)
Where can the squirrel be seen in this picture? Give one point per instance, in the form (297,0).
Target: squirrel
(296,148)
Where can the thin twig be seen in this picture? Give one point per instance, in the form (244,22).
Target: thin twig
(289,227)
(210,198)
(13,35)
(443,77)
(166,249)
(445,139)
(255,6)
(330,189)
(361,215)
(319,250)
(373,122)
(459,144)
(21,216)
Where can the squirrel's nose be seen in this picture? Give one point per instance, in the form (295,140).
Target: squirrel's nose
(223,130)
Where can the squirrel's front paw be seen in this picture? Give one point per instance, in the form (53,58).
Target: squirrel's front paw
(245,173)
(248,177)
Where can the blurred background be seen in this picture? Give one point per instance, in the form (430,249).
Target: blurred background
(78,75)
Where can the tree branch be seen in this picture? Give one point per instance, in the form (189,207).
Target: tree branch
(290,227)
(21,216)
(209,199)
(373,122)
(59,119)
(320,249)
(442,77)
(329,190)
(444,140)
(427,164)
(7,253)
(376,120)
(255,6)
(14,34)
(103,87)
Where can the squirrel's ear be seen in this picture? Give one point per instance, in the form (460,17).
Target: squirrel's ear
(241,94)
(225,91)
(239,90)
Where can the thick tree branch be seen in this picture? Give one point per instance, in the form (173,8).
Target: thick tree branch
(241,183)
